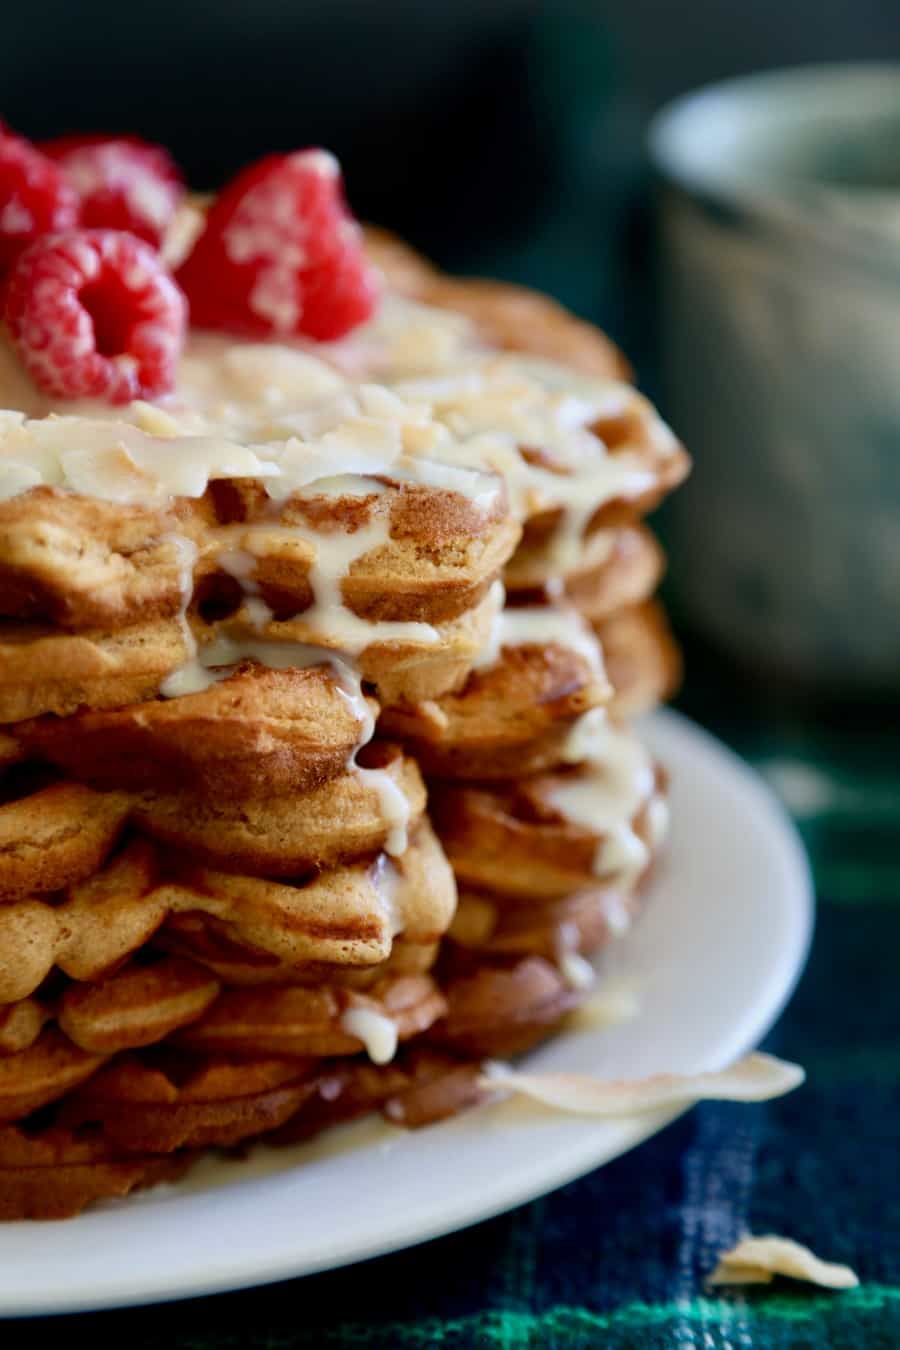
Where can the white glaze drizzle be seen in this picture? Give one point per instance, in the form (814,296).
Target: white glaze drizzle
(586,738)
(328,615)
(186,551)
(538,625)
(605,797)
(377,1032)
(576,970)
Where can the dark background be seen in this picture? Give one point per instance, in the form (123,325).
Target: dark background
(502,136)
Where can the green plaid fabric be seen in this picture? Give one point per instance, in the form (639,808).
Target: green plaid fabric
(619,1258)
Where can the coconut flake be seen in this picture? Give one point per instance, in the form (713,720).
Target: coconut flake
(755,1078)
(757,1260)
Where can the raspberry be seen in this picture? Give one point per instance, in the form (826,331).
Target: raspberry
(280,254)
(339,294)
(94,314)
(35,196)
(124,183)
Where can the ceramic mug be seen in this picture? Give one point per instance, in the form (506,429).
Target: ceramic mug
(781,365)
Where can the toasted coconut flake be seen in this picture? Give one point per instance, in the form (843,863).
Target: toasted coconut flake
(757,1260)
(756,1078)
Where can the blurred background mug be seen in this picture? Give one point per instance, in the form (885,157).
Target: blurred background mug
(781,363)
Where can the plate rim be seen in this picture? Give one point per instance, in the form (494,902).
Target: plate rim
(160,1286)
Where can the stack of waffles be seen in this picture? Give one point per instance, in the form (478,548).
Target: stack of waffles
(315,679)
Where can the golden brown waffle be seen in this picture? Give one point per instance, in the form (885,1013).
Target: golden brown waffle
(495,926)
(514,840)
(293,833)
(121,584)
(202,939)
(408,668)
(48,670)
(53,1173)
(641,656)
(148,1002)
(633,436)
(53,834)
(438,554)
(508,316)
(348,916)
(255,733)
(81,563)
(161,1100)
(512,718)
(310,1022)
(97,566)
(136,1006)
(44,1071)
(503,1010)
(421,1086)
(615,569)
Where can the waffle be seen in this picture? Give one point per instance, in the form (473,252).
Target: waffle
(353,926)
(641,657)
(412,666)
(160,1101)
(342,917)
(287,835)
(614,570)
(53,834)
(21,1023)
(54,1173)
(421,1086)
(312,1022)
(41,1073)
(580,923)
(425,554)
(512,717)
(259,731)
(152,1000)
(49,670)
(497,1011)
(550,835)
(138,1005)
(382,550)
(84,564)
(204,940)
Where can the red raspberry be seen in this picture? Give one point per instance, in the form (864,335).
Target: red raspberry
(35,196)
(338,294)
(280,254)
(124,183)
(94,314)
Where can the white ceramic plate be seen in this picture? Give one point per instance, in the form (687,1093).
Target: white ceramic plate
(714,956)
